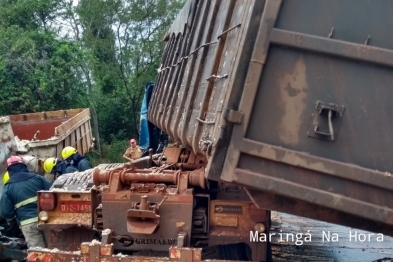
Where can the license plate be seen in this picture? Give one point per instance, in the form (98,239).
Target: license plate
(75,206)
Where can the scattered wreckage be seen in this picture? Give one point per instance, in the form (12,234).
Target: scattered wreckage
(148,207)
(35,137)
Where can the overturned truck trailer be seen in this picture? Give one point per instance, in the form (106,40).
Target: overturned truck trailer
(288,98)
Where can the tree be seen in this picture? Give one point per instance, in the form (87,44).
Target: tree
(37,71)
(125,41)
(60,54)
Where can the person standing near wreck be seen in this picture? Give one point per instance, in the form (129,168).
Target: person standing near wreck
(133,152)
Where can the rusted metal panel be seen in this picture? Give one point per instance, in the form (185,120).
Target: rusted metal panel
(290,156)
(97,252)
(296,109)
(196,67)
(232,221)
(138,208)
(37,136)
(67,238)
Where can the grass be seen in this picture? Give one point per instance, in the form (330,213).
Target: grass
(110,153)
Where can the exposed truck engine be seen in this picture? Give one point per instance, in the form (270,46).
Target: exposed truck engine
(146,207)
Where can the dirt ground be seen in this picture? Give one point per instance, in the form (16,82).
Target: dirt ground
(346,244)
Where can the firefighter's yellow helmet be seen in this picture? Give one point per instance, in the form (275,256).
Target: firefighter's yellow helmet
(6,177)
(49,164)
(67,152)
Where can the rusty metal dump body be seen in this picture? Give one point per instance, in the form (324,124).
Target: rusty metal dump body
(289,98)
(37,136)
(49,132)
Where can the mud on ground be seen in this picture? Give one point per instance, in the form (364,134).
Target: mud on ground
(346,244)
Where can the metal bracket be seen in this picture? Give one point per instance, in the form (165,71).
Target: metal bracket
(228,30)
(326,121)
(181,240)
(160,70)
(217,77)
(209,122)
(143,218)
(106,236)
(233,116)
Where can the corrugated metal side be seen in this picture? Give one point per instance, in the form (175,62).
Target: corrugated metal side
(79,136)
(316,135)
(72,128)
(295,98)
(201,69)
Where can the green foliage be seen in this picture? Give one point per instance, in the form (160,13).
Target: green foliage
(38,72)
(125,39)
(27,14)
(114,119)
(62,54)
(111,153)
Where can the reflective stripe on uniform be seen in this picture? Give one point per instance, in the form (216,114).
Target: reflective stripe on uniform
(29,221)
(25,202)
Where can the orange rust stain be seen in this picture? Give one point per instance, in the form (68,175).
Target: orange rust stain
(108,196)
(106,250)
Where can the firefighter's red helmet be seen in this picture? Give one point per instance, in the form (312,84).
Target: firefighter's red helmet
(12,160)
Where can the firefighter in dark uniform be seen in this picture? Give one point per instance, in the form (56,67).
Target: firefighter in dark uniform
(57,167)
(19,200)
(72,156)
